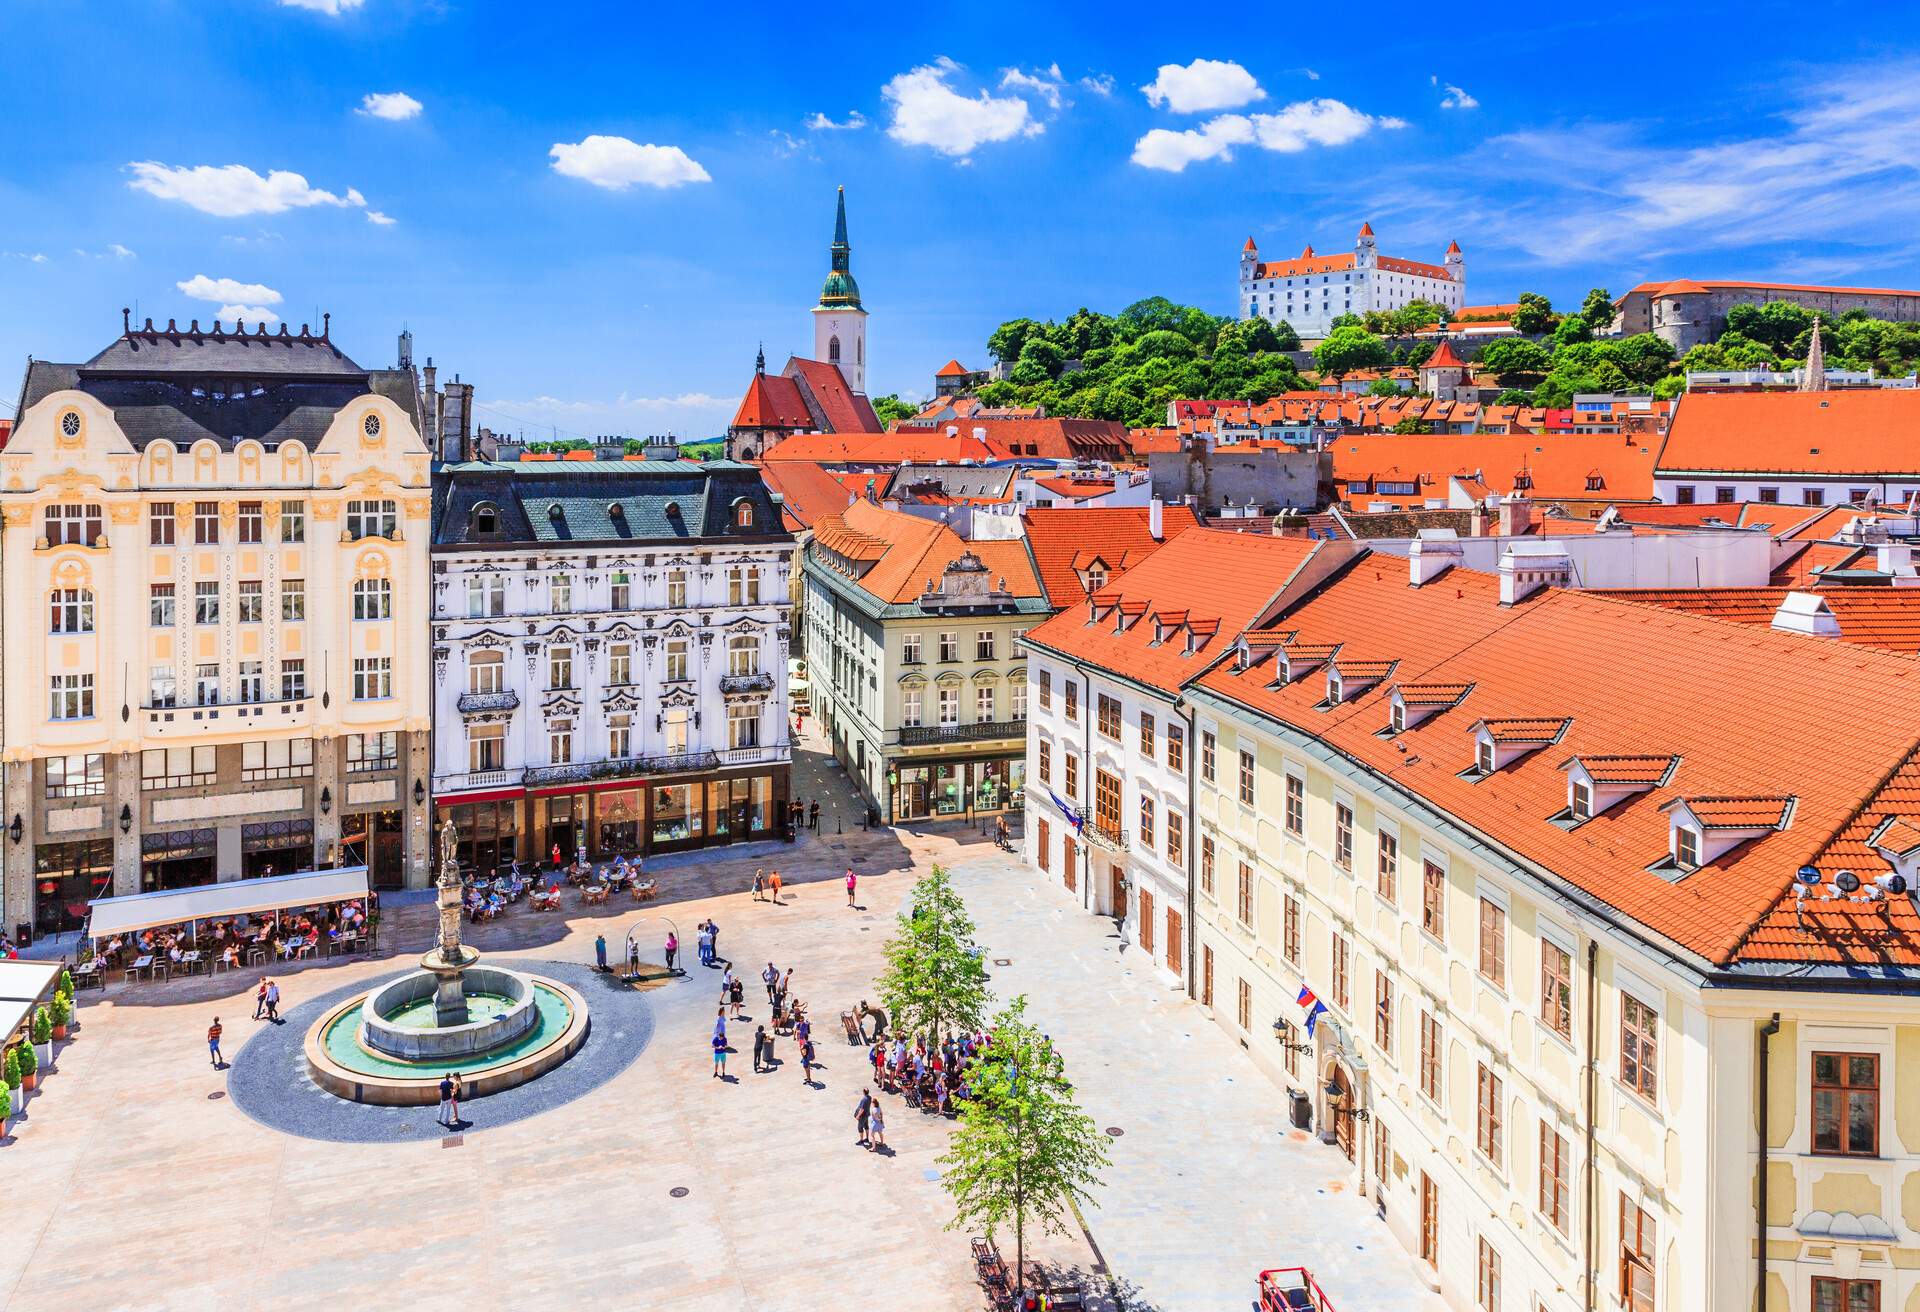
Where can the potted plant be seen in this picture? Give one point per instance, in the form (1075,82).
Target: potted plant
(66,982)
(29,1066)
(41,1029)
(59,1012)
(6,1108)
(10,1068)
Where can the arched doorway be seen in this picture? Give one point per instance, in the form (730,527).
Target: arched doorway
(1339,1092)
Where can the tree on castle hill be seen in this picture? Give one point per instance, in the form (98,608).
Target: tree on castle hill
(1597,309)
(1515,357)
(890,408)
(1534,314)
(1348,348)
(935,983)
(1023,1151)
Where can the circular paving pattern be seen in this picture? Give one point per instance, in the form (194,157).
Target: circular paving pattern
(270,1083)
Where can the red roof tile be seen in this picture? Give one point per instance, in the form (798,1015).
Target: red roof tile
(1887,618)
(1866,432)
(908,550)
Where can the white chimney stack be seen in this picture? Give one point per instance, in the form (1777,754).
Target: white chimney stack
(1808,613)
(1156,521)
(1434,551)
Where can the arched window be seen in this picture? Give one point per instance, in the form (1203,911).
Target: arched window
(486,672)
(743,654)
(486,519)
(372,599)
(833,350)
(743,515)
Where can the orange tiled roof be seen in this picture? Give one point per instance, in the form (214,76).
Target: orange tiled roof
(1806,566)
(908,550)
(1887,618)
(953,369)
(847,411)
(1561,465)
(1444,358)
(902,446)
(1772,716)
(1307,263)
(1679,286)
(1867,432)
(1645,771)
(1203,578)
(807,491)
(772,402)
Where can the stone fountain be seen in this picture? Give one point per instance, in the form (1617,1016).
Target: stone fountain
(449,962)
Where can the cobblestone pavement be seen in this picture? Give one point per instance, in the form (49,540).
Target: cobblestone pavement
(134,1182)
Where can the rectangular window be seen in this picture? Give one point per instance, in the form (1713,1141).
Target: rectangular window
(70,610)
(73,525)
(1383,1013)
(1636,1257)
(743,724)
(293,521)
(1208,748)
(486,747)
(1556,988)
(1343,836)
(620,664)
(206,523)
(70,697)
(1431,1050)
(1487,1285)
(1176,838)
(277,758)
(1769,496)
(1245,1009)
(1582,801)
(1488,1136)
(1686,847)
(1846,1104)
(1813,496)
(1073,776)
(248,597)
(950,646)
(1683,494)
(949,706)
(560,742)
(1342,993)
(160,526)
(369,753)
(1206,864)
(293,680)
(560,667)
(983,645)
(1146,823)
(252,682)
(1072,691)
(1046,760)
(1243,904)
(293,600)
(206,685)
(1382,1154)
(486,596)
(1639,1047)
(1108,717)
(676,589)
(1493,943)
(1017,696)
(910,654)
(1556,1182)
(983,700)
(1833,1294)
(1246,778)
(620,590)
(373,519)
(252,522)
(161,686)
(372,678)
(1429,1221)
(1176,748)
(176,767)
(676,660)
(1206,976)
(206,603)
(1389,875)
(1106,802)
(1296,813)
(76,776)
(560,593)
(1146,734)
(1433,901)
(1289,928)
(1046,678)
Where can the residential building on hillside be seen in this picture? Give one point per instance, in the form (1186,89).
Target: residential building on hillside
(1805,448)
(917,674)
(1111,749)
(1688,313)
(1384,471)
(1607,1007)
(213,542)
(1312,291)
(609,657)
(826,394)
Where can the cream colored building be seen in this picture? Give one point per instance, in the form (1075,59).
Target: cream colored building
(1537,860)
(215,560)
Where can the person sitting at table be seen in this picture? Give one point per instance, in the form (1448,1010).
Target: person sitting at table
(231,955)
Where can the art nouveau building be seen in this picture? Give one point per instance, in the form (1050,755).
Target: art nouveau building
(211,543)
(609,656)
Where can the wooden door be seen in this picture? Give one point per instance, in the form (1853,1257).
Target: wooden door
(1206,975)
(1176,947)
(1044,846)
(1341,1101)
(1117,881)
(1069,860)
(1429,1221)
(1146,923)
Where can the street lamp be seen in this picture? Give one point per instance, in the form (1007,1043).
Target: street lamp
(126,818)
(326,799)
(419,793)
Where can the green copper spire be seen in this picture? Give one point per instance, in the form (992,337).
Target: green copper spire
(840,289)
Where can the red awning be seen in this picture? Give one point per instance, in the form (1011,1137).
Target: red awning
(607,786)
(485,795)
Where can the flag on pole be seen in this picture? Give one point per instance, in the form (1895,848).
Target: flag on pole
(1074,818)
(1312,1006)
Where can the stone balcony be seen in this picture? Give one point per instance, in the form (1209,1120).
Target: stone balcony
(488,701)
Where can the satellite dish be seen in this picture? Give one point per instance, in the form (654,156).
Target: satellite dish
(1846,881)
(1809,875)
(1891,883)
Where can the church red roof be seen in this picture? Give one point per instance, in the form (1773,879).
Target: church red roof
(772,402)
(846,410)
(953,369)
(1444,358)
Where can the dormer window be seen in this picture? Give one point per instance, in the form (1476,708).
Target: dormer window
(743,514)
(1096,579)
(1398,718)
(1704,829)
(1686,847)
(486,519)
(1333,689)
(1487,760)
(1582,802)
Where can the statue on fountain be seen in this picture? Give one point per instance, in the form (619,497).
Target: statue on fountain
(450,960)
(449,886)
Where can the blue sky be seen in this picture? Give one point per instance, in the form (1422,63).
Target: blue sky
(595,212)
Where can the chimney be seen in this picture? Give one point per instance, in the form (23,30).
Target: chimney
(1515,514)
(1896,558)
(1156,520)
(979,434)
(1435,550)
(1477,521)
(1808,613)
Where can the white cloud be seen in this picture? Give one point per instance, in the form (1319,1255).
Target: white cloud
(331,8)
(1100,84)
(1311,76)
(818,122)
(381,220)
(1046,84)
(1203,85)
(228,290)
(617,163)
(255,313)
(120,252)
(231,190)
(31,257)
(394,106)
(928,112)
(1298,126)
(1454,98)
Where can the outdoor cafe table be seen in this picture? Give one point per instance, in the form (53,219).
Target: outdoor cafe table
(141,963)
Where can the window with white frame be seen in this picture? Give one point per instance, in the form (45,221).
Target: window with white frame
(276,758)
(983,704)
(249,601)
(293,521)
(73,525)
(293,679)
(560,742)
(70,610)
(372,678)
(674,731)
(913,706)
(743,725)
(620,590)
(252,680)
(910,648)
(486,672)
(206,523)
(162,686)
(76,776)
(743,655)
(560,594)
(676,588)
(486,747)
(160,525)
(372,599)
(373,519)
(253,524)
(1017,701)
(983,645)
(560,667)
(293,600)
(206,684)
(676,660)
(206,603)
(176,767)
(486,596)
(743,585)
(619,736)
(620,663)
(949,706)
(369,753)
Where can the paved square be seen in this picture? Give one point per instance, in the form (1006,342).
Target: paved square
(135,1183)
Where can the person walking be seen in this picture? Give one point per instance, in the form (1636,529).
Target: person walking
(806,1062)
(739,998)
(759,1047)
(454,1099)
(759,883)
(673,949)
(771,977)
(260,999)
(773,883)
(720,1053)
(803,1031)
(786,984)
(813,815)
(726,987)
(861,1113)
(273,1001)
(1001,838)
(213,1043)
(851,882)
(877,1128)
(600,951)
(446,1100)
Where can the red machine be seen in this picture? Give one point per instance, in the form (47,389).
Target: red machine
(1292,1289)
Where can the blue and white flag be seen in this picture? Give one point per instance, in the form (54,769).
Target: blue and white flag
(1074,818)
(1312,1006)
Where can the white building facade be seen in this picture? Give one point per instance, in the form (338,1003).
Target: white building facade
(609,653)
(1312,291)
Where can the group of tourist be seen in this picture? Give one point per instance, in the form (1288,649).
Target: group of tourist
(288,937)
(931,1079)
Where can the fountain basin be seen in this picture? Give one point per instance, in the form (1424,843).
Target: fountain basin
(398,1019)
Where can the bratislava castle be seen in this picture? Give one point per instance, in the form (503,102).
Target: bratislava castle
(1310,292)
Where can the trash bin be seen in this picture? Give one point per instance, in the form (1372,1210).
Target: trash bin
(1301,1109)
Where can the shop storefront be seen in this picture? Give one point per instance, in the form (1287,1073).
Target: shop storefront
(178,858)
(65,877)
(955,790)
(487,833)
(374,839)
(276,847)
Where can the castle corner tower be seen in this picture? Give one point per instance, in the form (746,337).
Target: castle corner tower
(839,322)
